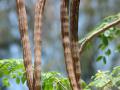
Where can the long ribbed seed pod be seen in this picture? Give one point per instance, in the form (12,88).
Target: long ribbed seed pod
(37,42)
(66,44)
(74,16)
(22,18)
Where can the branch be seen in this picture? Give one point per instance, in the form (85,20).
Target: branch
(74,16)
(23,29)
(101,30)
(39,9)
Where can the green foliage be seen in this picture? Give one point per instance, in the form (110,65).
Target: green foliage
(54,81)
(108,36)
(14,69)
(98,29)
(99,58)
(105,35)
(106,80)
(6,82)
(11,69)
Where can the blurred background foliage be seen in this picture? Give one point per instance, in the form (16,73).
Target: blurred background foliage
(91,13)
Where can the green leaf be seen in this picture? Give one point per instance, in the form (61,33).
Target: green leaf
(83,84)
(99,58)
(23,79)
(104,60)
(102,46)
(20,73)
(108,52)
(5,82)
(105,40)
(117,31)
(13,75)
(18,80)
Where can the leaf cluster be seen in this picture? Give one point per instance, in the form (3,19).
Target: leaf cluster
(12,69)
(106,80)
(107,31)
(102,80)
